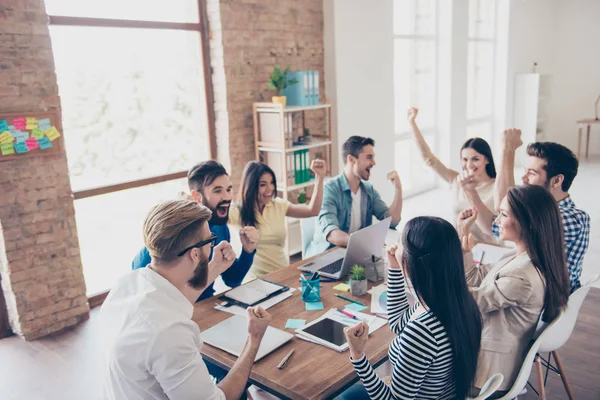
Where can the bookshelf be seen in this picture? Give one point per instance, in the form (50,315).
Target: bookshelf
(274,136)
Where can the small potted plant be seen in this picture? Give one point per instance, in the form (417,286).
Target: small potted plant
(279,81)
(358,280)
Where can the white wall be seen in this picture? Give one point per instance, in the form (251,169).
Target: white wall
(563,37)
(359,78)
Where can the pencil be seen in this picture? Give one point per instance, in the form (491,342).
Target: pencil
(350,300)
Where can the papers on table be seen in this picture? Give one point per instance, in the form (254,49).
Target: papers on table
(237,310)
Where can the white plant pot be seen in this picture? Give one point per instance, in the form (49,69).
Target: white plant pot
(358,288)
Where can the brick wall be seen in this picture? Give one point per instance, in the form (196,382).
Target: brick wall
(247,39)
(40,265)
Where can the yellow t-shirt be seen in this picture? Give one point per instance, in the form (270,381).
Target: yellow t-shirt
(270,254)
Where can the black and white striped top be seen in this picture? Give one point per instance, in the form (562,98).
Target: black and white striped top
(421,355)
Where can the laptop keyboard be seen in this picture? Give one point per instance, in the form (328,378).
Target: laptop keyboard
(334,267)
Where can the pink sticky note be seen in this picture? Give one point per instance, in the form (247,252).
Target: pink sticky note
(20,123)
(32,144)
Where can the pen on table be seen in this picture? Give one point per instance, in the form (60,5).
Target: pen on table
(283,362)
(350,300)
(347,314)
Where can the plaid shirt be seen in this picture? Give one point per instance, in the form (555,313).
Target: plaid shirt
(576,224)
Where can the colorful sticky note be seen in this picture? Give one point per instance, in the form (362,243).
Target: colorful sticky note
(21,136)
(295,323)
(314,306)
(3,125)
(19,123)
(342,287)
(37,133)
(44,143)
(355,307)
(7,149)
(32,144)
(52,133)
(21,148)
(6,137)
(44,124)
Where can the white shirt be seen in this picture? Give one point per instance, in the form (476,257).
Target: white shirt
(355,214)
(152,346)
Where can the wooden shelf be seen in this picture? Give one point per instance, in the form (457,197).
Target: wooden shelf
(291,149)
(275,108)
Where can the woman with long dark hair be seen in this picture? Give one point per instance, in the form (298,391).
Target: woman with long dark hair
(527,283)
(260,207)
(435,352)
(478,169)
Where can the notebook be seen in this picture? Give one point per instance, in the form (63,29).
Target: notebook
(230,335)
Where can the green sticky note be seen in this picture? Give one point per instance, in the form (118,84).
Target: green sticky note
(355,307)
(7,149)
(295,323)
(315,306)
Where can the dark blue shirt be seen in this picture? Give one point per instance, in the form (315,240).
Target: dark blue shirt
(232,277)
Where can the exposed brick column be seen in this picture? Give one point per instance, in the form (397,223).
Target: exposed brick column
(40,264)
(247,39)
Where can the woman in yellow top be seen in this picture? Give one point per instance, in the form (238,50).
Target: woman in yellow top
(477,168)
(260,207)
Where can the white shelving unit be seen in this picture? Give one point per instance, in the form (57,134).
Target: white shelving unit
(531,96)
(273,138)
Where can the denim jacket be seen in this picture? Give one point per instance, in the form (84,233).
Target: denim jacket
(336,210)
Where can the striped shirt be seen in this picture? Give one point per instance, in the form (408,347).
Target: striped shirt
(576,226)
(421,355)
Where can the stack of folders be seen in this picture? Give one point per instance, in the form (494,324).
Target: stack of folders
(301,166)
(306,91)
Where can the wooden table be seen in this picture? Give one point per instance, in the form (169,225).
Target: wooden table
(314,371)
(581,124)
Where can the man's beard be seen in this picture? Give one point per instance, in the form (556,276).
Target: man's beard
(215,219)
(198,280)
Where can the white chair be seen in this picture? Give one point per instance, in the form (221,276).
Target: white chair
(307,228)
(489,387)
(531,357)
(558,336)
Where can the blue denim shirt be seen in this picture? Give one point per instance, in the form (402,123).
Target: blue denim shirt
(337,208)
(232,277)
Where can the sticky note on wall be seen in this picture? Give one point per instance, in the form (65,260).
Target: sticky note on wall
(53,133)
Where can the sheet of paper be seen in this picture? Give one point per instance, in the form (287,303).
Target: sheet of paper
(32,144)
(21,148)
(295,323)
(44,143)
(53,133)
(7,149)
(37,133)
(3,125)
(314,306)
(44,124)
(6,137)
(237,310)
(355,307)
(342,287)
(19,123)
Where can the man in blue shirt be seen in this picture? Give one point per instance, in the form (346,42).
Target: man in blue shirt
(350,202)
(210,185)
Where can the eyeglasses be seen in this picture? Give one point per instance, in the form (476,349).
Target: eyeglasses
(212,240)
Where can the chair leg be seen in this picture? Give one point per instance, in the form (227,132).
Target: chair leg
(540,377)
(563,376)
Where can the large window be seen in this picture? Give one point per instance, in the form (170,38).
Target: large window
(480,70)
(415,84)
(131,76)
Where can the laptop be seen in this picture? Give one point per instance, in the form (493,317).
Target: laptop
(231,335)
(362,245)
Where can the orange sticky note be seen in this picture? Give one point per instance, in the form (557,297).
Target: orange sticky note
(53,133)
